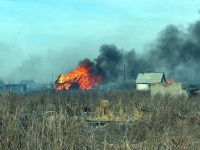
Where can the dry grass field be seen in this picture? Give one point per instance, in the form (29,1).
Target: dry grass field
(57,121)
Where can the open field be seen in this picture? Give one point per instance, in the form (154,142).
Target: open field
(58,121)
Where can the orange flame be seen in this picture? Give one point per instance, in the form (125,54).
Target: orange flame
(82,75)
(170,81)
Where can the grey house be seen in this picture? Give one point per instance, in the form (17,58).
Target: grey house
(144,80)
(30,84)
(16,88)
(2,86)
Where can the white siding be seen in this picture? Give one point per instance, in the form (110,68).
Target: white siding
(142,87)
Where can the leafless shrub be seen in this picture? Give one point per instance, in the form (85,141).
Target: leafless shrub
(58,121)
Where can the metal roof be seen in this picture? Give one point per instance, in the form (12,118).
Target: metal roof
(155,77)
(28,82)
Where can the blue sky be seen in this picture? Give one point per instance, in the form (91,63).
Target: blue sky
(77,28)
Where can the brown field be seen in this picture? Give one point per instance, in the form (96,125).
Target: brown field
(57,121)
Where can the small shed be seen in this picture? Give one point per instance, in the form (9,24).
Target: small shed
(144,80)
(2,86)
(30,84)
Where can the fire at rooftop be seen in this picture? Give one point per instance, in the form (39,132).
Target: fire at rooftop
(83,76)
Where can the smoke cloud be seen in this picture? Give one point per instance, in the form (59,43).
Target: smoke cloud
(111,60)
(40,68)
(175,51)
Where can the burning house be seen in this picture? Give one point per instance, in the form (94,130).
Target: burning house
(83,77)
(144,80)
(2,86)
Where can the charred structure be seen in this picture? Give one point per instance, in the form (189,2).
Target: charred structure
(83,77)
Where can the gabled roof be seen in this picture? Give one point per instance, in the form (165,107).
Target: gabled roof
(1,84)
(155,77)
(27,82)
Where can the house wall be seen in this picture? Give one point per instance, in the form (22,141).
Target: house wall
(174,90)
(2,88)
(142,87)
(16,88)
(31,86)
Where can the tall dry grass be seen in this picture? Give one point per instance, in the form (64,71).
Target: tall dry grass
(57,121)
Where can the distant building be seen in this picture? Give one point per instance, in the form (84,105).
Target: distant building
(144,80)
(2,86)
(30,84)
(16,88)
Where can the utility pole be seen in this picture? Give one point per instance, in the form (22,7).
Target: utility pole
(124,73)
(52,78)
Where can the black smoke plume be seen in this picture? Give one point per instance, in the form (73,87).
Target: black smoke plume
(111,60)
(108,63)
(176,51)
